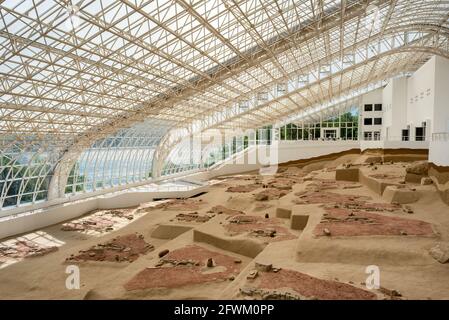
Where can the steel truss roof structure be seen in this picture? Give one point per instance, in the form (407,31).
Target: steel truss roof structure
(76,72)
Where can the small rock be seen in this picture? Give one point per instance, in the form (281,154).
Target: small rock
(265,267)
(163,253)
(237,261)
(267,215)
(127,249)
(420,168)
(91,254)
(271,233)
(231,278)
(261,197)
(408,209)
(159,264)
(247,291)
(390,292)
(210,263)
(403,233)
(326,232)
(440,252)
(426,181)
(252,274)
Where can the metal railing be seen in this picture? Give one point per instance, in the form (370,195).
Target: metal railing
(440,136)
(396,138)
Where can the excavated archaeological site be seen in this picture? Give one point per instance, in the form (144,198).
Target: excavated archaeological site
(308,232)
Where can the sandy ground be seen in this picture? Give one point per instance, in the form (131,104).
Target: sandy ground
(229,243)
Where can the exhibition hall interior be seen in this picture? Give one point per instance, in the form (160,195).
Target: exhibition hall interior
(224,150)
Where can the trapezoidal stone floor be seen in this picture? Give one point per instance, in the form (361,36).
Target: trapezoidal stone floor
(290,284)
(120,249)
(268,229)
(347,223)
(186,266)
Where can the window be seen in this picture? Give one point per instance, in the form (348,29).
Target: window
(368,107)
(378,107)
(368,121)
(420,133)
(405,135)
(244,105)
(377,121)
(368,135)
(282,88)
(376,135)
(262,96)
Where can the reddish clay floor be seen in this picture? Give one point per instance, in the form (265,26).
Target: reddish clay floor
(123,248)
(344,222)
(186,266)
(181,204)
(24,249)
(244,188)
(100,221)
(192,217)
(271,229)
(311,287)
(223,210)
(270,194)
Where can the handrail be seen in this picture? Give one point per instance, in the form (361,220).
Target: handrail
(440,136)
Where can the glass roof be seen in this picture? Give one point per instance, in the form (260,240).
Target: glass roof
(80,68)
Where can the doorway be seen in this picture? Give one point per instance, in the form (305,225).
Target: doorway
(330,134)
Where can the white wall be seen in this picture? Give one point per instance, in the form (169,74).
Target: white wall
(428,98)
(382,144)
(373,97)
(420,98)
(394,97)
(441,109)
(299,150)
(439,150)
(439,153)
(27,222)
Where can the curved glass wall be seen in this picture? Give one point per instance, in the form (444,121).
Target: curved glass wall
(194,153)
(121,159)
(338,125)
(26,168)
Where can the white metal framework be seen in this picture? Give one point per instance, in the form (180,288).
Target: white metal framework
(80,73)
